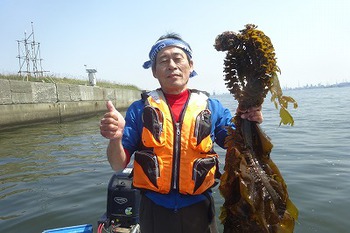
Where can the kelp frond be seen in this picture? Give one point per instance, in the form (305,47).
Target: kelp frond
(250,69)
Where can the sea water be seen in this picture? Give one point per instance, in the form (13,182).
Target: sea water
(56,175)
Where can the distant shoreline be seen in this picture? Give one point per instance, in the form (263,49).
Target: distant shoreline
(342,84)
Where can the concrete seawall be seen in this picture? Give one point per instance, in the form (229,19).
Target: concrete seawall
(23,103)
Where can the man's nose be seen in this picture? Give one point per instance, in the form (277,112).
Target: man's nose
(172,64)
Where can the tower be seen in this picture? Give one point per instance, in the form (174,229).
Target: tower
(29,58)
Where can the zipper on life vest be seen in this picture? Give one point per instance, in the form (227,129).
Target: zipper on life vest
(176,153)
(177,142)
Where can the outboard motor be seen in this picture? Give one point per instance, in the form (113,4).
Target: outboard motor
(123,203)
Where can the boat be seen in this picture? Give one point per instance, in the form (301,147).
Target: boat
(122,215)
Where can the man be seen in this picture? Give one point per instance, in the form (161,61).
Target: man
(170,132)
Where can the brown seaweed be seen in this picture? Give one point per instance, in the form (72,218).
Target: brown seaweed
(255,193)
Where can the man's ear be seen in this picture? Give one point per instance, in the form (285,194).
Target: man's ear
(191,65)
(154,72)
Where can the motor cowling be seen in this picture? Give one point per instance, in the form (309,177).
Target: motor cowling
(123,200)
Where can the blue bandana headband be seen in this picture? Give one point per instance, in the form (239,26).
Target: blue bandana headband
(166,43)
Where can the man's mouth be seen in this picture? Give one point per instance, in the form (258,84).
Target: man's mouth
(173,75)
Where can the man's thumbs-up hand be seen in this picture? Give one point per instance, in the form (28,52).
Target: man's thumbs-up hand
(112,124)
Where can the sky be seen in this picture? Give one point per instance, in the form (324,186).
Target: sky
(310,37)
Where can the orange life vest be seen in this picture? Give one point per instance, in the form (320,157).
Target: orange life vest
(179,155)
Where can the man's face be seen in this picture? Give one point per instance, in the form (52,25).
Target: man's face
(172,69)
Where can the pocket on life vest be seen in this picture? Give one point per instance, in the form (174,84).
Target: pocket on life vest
(204,173)
(152,133)
(146,170)
(201,139)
